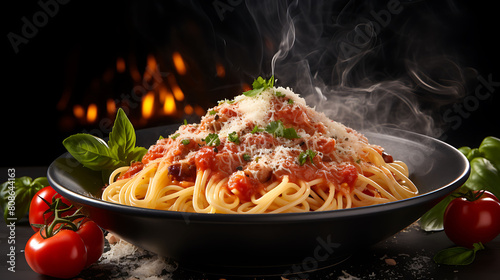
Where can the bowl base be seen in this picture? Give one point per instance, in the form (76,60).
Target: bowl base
(288,271)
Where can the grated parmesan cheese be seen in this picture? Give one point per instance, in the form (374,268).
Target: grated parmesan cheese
(255,108)
(128,262)
(260,152)
(347,276)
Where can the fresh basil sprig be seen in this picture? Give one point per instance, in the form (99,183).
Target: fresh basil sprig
(259,85)
(19,190)
(458,255)
(120,150)
(484,175)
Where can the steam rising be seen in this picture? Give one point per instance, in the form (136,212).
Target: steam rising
(335,56)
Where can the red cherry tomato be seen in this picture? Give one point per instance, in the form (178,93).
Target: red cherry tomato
(93,238)
(469,221)
(38,207)
(62,255)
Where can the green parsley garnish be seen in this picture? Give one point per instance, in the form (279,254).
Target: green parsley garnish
(290,101)
(185,122)
(259,85)
(226,101)
(256,129)
(277,129)
(247,157)
(175,136)
(233,137)
(212,112)
(308,154)
(212,139)
(185,141)
(280,94)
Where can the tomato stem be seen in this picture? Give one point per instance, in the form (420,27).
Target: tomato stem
(63,222)
(470,195)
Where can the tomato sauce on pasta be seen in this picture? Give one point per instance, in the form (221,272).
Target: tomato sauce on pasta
(268,153)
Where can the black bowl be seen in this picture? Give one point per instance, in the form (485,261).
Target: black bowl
(260,243)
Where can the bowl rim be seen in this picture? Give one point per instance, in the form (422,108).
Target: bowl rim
(301,217)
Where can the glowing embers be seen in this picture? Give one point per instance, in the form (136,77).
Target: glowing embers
(179,64)
(150,90)
(147,105)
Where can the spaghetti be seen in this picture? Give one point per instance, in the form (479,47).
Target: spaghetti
(268,153)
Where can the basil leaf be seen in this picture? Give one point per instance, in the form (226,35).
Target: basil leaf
(92,152)
(122,137)
(458,255)
(483,176)
(433,219)
(40,182)
(464,150)
(490,149)
(259,85)
(20,190)
(253,92)
(136,154)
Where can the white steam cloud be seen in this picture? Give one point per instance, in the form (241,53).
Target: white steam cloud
(334,55)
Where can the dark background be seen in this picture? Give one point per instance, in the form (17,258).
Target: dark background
(71,56)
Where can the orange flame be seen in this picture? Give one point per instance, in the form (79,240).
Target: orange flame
(78,111)
(221,71)
(151,68)
(179,64)
(120,65)
(199,110)
(178,94)
(134,73)
(188,109)
(168,101)
(151,63)
(169,107)
(148,105)
(92,113)
(110,106)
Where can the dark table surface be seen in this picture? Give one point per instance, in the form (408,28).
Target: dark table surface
(407,255)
